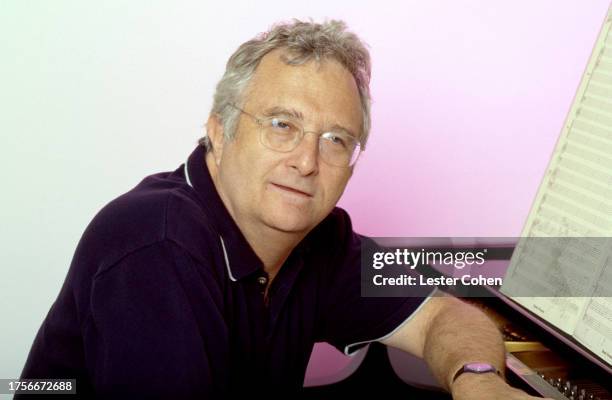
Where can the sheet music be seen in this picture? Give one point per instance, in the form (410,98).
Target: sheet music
(594,329)
(573,208)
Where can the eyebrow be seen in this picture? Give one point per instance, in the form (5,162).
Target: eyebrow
(285,112)
(293,113)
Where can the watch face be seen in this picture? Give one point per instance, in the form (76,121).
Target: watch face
(479,367)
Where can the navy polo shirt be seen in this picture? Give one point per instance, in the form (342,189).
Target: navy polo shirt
(164,297)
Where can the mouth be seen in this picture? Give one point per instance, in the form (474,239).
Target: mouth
(291,190)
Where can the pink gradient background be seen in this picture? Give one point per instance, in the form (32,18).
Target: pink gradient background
(469,99)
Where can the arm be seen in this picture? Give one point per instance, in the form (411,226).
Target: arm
(448,333)
(144,339)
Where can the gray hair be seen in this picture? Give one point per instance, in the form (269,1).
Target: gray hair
(304,41)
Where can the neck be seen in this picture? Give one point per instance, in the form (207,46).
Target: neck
(272,246)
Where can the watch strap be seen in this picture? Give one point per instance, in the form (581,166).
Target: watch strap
(470,368)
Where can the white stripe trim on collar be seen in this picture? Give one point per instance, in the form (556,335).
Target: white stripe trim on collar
(187,174)
(227,265)
(229,271)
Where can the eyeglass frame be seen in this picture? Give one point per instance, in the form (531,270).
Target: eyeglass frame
(303,131)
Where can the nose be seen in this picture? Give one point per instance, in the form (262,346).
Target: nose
(305,157)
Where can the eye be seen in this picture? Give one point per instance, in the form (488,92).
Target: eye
(281,125)
(337,139)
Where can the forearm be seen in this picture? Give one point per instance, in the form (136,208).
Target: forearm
(448,333)
(460,334)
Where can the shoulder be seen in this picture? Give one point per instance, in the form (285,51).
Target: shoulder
(334,246)
(160,208)
(337,224)
(337,248)
(336,231)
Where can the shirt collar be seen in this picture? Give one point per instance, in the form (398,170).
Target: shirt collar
(240,259)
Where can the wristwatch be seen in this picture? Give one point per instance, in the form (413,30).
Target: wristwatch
(476,368)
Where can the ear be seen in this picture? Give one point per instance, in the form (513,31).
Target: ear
(214,130)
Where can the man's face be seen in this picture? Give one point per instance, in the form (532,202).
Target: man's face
(293,191)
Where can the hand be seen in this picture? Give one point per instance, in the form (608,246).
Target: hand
(486,387)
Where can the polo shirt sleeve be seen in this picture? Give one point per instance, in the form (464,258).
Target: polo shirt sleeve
(143,338)
(350,321)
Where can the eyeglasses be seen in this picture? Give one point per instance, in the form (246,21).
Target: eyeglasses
(284,134)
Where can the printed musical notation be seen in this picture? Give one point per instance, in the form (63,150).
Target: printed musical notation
(561,268)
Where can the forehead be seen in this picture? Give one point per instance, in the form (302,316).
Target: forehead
(324,92)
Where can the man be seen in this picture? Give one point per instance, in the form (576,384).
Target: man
(217,279)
